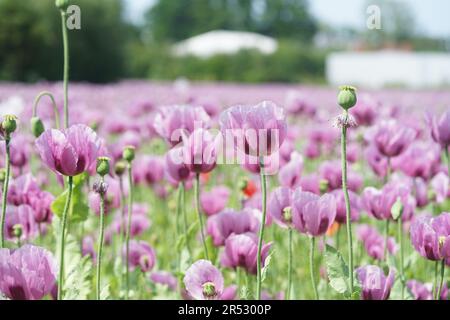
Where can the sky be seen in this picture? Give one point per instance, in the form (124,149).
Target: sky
(432,16)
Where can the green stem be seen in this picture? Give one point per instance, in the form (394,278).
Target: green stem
(447,156)
(66,68)
(185,220)
(177,224)
(311,266)
(199,214)
(347,201)
(100,241)
(402,258)
(62,238)
(261,229)
(438,296)
(55,108)
(127,237)
(5,190)
(289,288)
(122,227)
(386,239)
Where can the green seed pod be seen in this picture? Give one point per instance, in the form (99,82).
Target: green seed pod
(347,97)
(102,166)
(120,167)
(17,230)
(209,290)
(62,4)
(37,126)
(9,124)
(129,153)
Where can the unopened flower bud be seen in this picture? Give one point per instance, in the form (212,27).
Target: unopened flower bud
(120,167)
(209,290)
(62,4)
(9,124)
(100,187)
(323,185)
(129,153)
(347,97)
(102,166)
(37,126)
(17,230)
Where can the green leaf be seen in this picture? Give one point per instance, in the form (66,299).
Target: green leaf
(78,210)
(105,293)
(266,266)
(244,294)
(397,209)
(337,271)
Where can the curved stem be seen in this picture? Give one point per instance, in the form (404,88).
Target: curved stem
(62,238)
(100,240)
(66,68)
(5,190)
(347,201)
(311,266)
(289,288)
(127,237)
(438,296)
(261,229)
(55,107)
(400,240)
(200,217)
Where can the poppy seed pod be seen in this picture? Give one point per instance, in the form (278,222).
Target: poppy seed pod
(37,126)
(120,167)
(129,153)
(347,97)
(62,4)
(102,166)
(9,124)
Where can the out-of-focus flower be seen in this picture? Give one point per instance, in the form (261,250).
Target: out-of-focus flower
(365,111)
(20,216)
(69,152)
(203,281)
(332,173)
(424,291)
(419,160)
(87,248)
(290,174)
(391,138)
(148,169)
(28,273)
(340,206)
(141,255)
(214,201)
(375,285)
(440,186)
(440,129)
(280,205)
(241,251)
(313,214)
(374,242)
(175,166)
(200,151)
(376,160)
(165,278)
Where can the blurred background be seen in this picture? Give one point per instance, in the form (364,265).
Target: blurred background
(297,41)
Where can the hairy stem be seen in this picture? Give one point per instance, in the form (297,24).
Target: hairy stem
(100,240)
(127,236)
(199,214)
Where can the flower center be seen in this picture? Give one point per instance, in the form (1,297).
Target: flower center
(209,290)
(287,214)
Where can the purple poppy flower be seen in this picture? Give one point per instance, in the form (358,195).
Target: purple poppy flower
(87,248)
(313,214)
(176,169)
(440,185)
(203,281)
(257,130)
(374,242)
(266,295)
(376,161)
(421,192)
(139,222)
(419,290)
(172,122)
(440,129)
(375,285)
(241,250)
(28,273)
(391,138)
(69,152)
(298,104)
(148,169)
(20,151)
(280,206)
(332,173)
(419,160)
(214,201)
(141,255)
(310,183)
(365,110)
(225,223)
(20,216)
(200,151)
(230,293)
(341,213)
(430,236)
(165,278)
(290,173)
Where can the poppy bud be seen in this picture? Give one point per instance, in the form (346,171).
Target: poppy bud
(323,185)
(62,4)
(9,124)
(100,187)
(347,97)
(120,167)
(102,166)
(128,153)
(17,230)
(37,127)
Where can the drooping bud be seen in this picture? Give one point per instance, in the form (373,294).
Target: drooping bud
(347,97)
(9,124)
(102,166)
(120,167)
(323,185)
(17,230)
(287,214)
(62,4)
(129,153)
(209,290)
(37,126)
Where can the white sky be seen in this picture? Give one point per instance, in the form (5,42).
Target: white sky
(432,16)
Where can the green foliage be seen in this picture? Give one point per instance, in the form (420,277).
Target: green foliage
(78,210)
